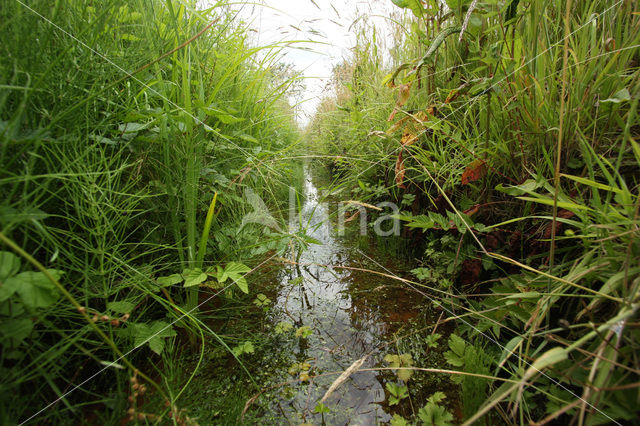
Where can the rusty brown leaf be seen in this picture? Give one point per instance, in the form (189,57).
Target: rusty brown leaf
(474,171)
(404,90)
(455,93)
(397,125)
(408,138)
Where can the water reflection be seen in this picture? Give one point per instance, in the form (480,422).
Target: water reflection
(343,330)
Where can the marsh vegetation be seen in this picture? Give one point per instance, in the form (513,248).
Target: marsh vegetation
(452,238)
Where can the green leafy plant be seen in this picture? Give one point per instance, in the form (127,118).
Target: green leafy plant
(34,288)
(432,340)
(234,271)
(455,356)
(398,420)
(21,295)
(243,348)
(304,332)
(434,414)
(153,334)
(300,369)
(196,276)
(283,327)
(262,301)
(396,392)
(321,408)
(471,359)
(404,361)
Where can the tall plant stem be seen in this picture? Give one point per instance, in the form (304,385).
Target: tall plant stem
(556,172)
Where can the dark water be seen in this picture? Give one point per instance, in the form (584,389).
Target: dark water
(350,313)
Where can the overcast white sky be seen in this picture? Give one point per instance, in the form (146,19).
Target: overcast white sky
(325,21)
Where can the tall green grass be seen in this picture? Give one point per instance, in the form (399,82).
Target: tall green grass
(120,124)
(542,154)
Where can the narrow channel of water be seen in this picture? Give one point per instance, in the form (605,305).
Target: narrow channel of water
(350,313)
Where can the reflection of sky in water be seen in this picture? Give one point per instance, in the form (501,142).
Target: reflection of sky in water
(342,331)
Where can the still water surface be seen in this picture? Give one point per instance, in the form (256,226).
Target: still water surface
(351,314)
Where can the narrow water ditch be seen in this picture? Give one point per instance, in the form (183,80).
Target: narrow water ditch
(331,311)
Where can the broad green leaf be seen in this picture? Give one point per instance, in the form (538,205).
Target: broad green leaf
(442,221)
(241,282)
(321,408)
(162,329)
(435,415)
(156,344)
(169,280)
(34,288)
(394,360)
(193,277)
(16,329)
(457,344)
(102,139)
(550,357)
(437,397)
(153,334)
(422,273)
(262,300)
(219,273)
(453,359)
(11,215)
(401,3)
(120,307)
(528,187)
(398,420)
(235,271)
(243,348)
(8,288)
(304,331)
(396,393)
(403,360)
(432,340)
(421,221)
(386,79)
(133,127)
(621,95)
(283,327)
(415,6)
(9,265)
(406,359)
